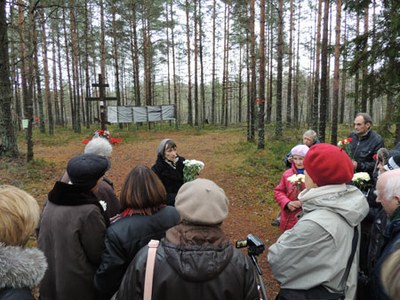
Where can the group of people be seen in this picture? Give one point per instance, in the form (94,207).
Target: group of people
(95,245)
(337,239)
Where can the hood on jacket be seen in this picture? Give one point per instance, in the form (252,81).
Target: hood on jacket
(345,200)
(21,267)
(197,253)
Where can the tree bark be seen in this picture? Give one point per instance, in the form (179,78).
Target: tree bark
(334,134)
(279,75)
(261,93)
(8,138)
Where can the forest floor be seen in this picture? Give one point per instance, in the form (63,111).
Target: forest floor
(246,174)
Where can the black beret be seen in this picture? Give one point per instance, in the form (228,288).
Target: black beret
(85,170)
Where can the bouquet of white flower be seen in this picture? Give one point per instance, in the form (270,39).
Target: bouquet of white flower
(360,180)
(297,180)
(191,169)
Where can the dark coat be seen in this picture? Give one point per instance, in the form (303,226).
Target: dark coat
(392,235)
(363,149)
(72,229)
(193,262)
(104,192)
(21,270)
(124,239)
(172,178)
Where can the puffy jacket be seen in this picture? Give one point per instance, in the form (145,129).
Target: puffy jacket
(124,239)
(20,270)
(196,263)
(172,178)
(363,149)
(285,192)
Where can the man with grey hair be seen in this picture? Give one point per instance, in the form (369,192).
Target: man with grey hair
(365,143)
(388,194)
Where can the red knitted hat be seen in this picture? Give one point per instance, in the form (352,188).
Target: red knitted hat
(327,164)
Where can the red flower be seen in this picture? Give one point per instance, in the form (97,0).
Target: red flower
(115,140)
(375,156)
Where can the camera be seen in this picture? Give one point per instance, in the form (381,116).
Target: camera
(254,244)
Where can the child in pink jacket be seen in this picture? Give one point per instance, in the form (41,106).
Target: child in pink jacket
(289,187)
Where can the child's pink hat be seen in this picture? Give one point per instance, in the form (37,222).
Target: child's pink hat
(300,150)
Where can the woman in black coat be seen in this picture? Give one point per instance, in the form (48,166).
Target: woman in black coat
(169,168)
(144,216)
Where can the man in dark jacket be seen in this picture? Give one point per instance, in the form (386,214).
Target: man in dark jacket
(195,260)
(365,143)
(388,194)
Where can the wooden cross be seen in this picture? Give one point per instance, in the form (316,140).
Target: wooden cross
(101,85)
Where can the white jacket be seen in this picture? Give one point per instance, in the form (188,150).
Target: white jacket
(316,250)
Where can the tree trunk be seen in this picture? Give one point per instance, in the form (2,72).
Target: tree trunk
(8,138)
(47,96)
(315,103)
(202,84)
(261,113)
(365,76)
(42,116)
(174,65)
(343,87)
(196,61)
(27,73)
(324,75)
(75,68)
(213,81)
(270,59)
(290,70)
(116,58)
(279,75)
(253,87)
(336,71)
(189,99)
(135,53)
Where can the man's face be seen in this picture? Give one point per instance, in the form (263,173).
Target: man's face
(388,204)
(360,127)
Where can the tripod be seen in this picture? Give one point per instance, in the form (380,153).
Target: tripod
(253,257)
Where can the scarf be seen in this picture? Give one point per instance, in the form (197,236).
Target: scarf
(128,212)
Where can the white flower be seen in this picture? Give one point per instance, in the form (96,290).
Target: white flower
(191,169)
(103,204)
(296,178)
(364,176)
(193,162)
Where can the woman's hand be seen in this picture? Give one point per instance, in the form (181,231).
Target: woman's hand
(294,205)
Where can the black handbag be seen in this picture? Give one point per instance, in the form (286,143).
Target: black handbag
(320,292)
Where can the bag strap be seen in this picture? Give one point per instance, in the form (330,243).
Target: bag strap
(151,259)
(351,258)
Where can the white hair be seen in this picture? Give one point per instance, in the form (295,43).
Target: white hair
(99,146)
(392,184)
(310,133)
